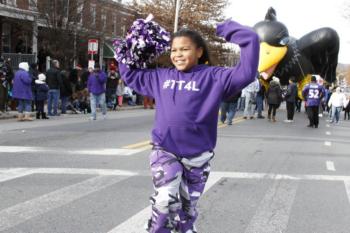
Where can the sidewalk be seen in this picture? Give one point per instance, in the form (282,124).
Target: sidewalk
(13,114)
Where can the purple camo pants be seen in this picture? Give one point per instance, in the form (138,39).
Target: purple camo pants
(178,186)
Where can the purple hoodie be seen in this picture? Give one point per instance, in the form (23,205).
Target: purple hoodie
(188,102)
(22,85)
(97,82)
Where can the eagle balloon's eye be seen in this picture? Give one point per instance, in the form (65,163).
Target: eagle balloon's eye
(284,41)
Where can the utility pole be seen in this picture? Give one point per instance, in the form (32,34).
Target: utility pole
(177,9)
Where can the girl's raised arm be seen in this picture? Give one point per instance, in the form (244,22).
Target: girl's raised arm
(236,78)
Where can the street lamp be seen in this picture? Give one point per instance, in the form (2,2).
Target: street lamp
(177,9)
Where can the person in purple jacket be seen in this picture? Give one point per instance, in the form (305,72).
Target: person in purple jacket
(313,94)
(96,85)
(188,99)
(22,91)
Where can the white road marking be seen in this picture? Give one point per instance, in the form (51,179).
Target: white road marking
(213,175)
(22,212)
(285,192)
(328,133)
(327,143)
(86,171)
(13,173)
(107,152)
(328,125)
(124,152)
(330,166)
(136,223)
(273,212)
(21,149)
(347,188)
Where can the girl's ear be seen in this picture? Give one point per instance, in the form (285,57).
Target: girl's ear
(199,52)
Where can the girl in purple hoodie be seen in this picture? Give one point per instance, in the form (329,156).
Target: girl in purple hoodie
(188,98)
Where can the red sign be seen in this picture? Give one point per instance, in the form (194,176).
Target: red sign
(92,46)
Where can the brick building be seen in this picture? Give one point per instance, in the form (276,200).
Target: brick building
(35,29)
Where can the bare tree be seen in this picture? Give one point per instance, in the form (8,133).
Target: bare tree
(58,27)
(200,15)
(66,26)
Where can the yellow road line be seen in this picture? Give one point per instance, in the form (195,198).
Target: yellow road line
(137,145)
(239,120)
(222,126)
(145,147)
(236,120)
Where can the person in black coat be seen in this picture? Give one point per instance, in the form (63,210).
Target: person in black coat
(274,98)
(65,91)
(41,90)
(290,97)
(111,86)
(34,72)
(54,81)
(347,108)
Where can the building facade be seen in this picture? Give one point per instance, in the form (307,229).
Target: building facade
(39,30)
(17,24)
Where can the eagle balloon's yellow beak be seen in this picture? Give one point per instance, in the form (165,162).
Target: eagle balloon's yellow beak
(269,58)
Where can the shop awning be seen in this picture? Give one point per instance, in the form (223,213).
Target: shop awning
(108,51)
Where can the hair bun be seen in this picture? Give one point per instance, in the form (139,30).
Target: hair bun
(144,42)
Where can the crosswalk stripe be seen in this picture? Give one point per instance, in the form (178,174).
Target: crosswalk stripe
(273,212)
(347,188)
(22,212)
(9,174)
(102,151)
(136,223)
(85,171)
(115,172)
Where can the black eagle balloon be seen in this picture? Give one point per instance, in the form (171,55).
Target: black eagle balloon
(284,56)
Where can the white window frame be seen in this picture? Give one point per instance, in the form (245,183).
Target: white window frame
(6,34)
(104,18)
(80,9)
(11,3)
(93,14)
(33,4)
(114,23)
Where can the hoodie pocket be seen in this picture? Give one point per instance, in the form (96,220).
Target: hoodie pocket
(186,139)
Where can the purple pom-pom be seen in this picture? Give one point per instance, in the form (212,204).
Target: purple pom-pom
(144,42)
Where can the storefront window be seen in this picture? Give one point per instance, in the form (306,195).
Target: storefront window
(6,38)
(9,2)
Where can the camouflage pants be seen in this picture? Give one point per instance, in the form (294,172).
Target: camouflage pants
(178,184)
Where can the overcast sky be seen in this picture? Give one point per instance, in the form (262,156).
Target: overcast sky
(299,16)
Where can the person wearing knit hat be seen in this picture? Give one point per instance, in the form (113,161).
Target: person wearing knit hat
(22,91)
(41,90)
(274,98)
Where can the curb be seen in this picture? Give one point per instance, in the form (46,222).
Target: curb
(13,114)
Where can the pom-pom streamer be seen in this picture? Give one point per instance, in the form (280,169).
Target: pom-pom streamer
(144,42)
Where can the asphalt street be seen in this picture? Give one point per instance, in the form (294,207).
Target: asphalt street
(72,175)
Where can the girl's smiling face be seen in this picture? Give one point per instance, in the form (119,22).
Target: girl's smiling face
(184,53)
